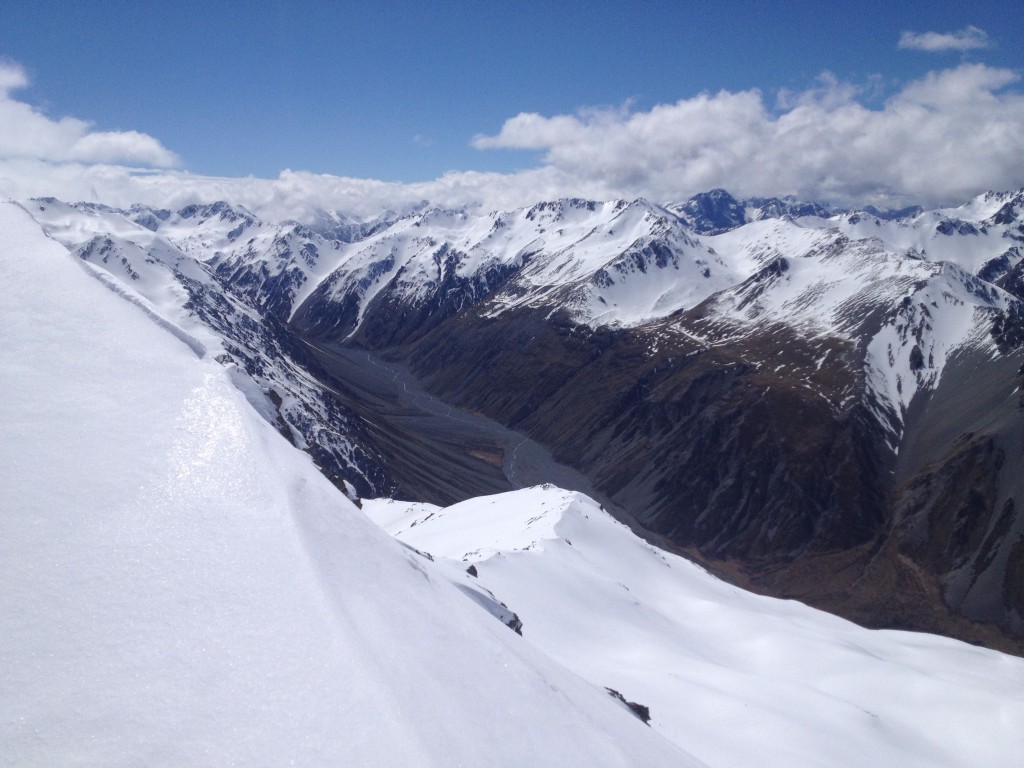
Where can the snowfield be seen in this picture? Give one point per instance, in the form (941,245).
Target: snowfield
(181,587)
(736,678)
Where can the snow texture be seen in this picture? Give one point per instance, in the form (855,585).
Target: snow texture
(736,678)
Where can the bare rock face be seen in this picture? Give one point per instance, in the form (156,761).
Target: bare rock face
(641,711)
(959,485)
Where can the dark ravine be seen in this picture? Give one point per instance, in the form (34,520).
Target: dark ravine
(708,446)
(959,484)
(435,452)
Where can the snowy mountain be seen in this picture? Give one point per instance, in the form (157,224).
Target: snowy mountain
(614,262)
(181,268)
(721,671)
(789,393)
(182,587)
(629,264)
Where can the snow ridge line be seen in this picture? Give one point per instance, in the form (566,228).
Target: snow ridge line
(115,285)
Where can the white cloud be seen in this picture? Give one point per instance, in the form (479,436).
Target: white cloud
(29,134)
(940,139)
(12,77)
(123,147)
(967,39)
(292,195)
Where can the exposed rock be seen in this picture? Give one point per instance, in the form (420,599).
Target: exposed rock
(641,711)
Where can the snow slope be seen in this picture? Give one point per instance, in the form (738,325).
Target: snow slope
(168,265)
(182,587)
(739,679)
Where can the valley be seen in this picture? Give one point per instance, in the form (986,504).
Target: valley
(435,452)
(743,505)
(775,388)
(846,435)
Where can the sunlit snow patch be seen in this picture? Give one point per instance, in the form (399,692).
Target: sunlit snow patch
(733,676)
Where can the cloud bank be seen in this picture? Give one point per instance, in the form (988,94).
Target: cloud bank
(967,39)
(941,138)
(30,135)
(938,140)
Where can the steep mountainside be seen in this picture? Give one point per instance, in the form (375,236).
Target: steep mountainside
(182,588)
(182,269)
(774,387)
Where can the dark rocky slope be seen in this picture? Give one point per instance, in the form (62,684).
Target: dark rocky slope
(759,462)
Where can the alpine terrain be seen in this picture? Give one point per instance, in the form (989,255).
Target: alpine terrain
(587,425)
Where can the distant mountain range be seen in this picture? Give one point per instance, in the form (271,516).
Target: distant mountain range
(817,403)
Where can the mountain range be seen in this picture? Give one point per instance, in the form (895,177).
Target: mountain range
(815,403)
(810,403)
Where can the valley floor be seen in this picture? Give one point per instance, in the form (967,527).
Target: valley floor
(437,452)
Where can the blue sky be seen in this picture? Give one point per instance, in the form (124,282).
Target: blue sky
(398,92)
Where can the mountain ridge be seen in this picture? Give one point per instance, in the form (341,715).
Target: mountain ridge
(795,344)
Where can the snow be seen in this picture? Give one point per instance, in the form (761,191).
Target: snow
(939,317)
(558,250)
(736,678)
(839,272)
(182,587)
(920,236)
(617,263)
